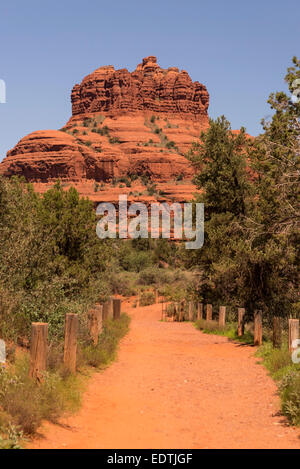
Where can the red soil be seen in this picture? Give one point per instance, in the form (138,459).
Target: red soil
(174,387)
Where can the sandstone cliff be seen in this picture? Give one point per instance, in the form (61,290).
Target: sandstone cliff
(123,124)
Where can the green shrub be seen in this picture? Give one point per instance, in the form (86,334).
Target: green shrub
(152,189)
(290,396)
(145,179)
(125,180)
(229,330)
(50,258)
(29,403)
(103,131)
(162,193)
(277,361)
(282,369)
(10,435)
(86,122)
(154,275)
(135,261)
(170,144)
(133,177)
(147,298)
(114,140)
(123,283)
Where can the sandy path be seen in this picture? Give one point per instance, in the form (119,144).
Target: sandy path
(174,387)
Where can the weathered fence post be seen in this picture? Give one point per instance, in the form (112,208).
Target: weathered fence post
(181,311)
(199,311)
(38,350)
(241,322)
(174,312)
(95,324)
(277,332)
(70,346)
(293,333)
(117,308)
(110,307)
(257,328)
(99,309)
(209,312)
(105,311)
(222,316)
(191,311)
(156,295)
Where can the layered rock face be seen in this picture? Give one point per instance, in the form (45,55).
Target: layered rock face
(148,88)
(123,125)
(50,155)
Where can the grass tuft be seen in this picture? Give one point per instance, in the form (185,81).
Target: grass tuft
(287,373)
(105,352)
(229,330)
(28,403)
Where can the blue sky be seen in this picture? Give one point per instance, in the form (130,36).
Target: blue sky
(239,50)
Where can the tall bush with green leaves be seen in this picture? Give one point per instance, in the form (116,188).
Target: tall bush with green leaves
(51,260)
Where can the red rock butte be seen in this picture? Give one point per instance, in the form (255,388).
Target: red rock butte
(123,125)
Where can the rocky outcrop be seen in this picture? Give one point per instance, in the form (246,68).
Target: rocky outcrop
(122,125)
(50,155)
(148,88)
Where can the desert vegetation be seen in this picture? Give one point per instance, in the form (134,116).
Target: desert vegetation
(52,262)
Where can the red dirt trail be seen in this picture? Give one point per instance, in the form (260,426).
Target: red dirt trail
(175,387)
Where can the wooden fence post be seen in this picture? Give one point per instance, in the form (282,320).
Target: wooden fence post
(156,296)
(209,312)
(191,311)
(257,328)
(99,308)
(241,322)
(277,332)
(38,350)
(105,311)
(70,346)
(293,333)
(199,311)
(117,308)
(181,311)
(95,324)
(110,307)
(222,316)
(175,313)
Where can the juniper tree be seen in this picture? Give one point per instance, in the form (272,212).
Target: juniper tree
(251,251)
(272,230)
(222,178)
